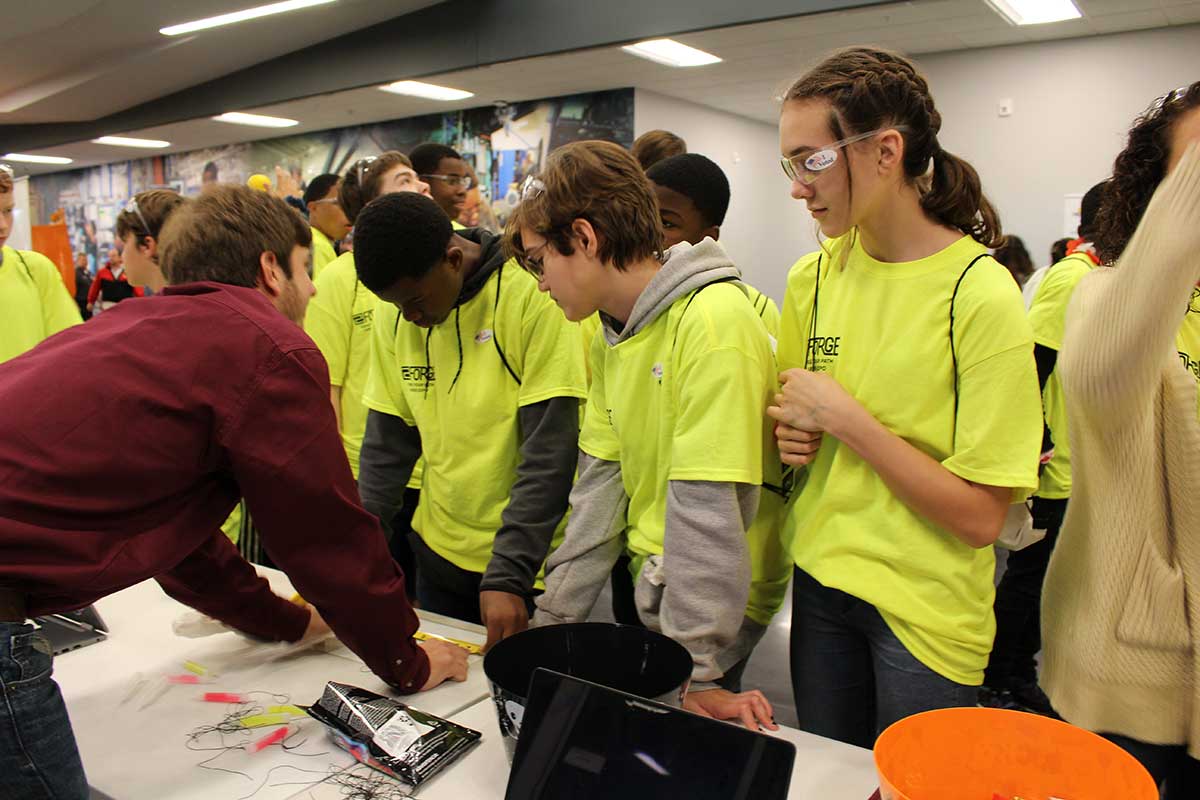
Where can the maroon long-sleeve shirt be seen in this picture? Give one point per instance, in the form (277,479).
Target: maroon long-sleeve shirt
(124,443)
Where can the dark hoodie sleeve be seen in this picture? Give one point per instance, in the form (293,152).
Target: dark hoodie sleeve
(390,450)
(549,442)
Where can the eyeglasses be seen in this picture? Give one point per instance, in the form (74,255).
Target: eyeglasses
(132,208)
(531,187)
(319,202)
(1170,97)
(453,180)
(808,168)
(361,165)
(530,263)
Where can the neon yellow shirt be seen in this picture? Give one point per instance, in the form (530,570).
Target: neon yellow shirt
(464,402)
(1048,317)
(34,303)
(1188,341)
(683,399)
(766,309)
(588,328)
(323,253)
(883,331)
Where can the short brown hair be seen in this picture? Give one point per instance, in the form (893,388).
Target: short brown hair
(6,181)
(360,184)
(654,146)
(602,183)
(221,235)
(155,206)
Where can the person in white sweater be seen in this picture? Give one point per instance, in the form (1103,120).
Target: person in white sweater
(1122,596)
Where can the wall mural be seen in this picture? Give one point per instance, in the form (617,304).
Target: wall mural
(503,143)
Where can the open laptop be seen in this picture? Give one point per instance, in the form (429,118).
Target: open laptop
(584,741)
(72,630)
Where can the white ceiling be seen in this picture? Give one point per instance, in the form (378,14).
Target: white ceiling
(759,61)
(103,56)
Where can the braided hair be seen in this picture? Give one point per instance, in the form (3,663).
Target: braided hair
(871,89)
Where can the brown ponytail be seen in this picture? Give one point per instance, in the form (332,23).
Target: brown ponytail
(871,89)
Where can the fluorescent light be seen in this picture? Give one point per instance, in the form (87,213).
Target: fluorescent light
(128,141)
(671,53)
(240,16)
(262,121)
(1035,12)
(36,159)
(427,90)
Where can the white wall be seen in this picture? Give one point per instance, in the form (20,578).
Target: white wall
(1074,101)
(21,236)
(765,230)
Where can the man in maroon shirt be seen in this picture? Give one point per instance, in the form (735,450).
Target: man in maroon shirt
(204,394)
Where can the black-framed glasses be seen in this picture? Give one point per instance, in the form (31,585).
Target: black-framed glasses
(531,263)
(132,208)
(465,181)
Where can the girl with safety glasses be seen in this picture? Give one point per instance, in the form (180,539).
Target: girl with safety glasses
(909,408)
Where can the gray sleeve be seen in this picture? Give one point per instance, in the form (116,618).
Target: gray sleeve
(390,450)
(538,500)
(706,568)
(577,570)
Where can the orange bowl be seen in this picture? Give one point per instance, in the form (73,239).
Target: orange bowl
(978,753)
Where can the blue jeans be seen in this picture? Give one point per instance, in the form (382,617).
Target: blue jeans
(851,676)
(38,756)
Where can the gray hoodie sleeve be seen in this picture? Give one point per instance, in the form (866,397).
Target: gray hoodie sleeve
(549,441)
(705,569)
(578,569)
(390,450)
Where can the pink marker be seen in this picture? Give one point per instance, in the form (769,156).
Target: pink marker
(187,679)
(224,697)
(274,737)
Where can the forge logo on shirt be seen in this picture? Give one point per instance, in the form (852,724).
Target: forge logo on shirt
(1193,366)
(823,352)
(363,319)
(419,374)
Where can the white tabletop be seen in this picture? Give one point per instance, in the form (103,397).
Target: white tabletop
(136,753)
(130,752)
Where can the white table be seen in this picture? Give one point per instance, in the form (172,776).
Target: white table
(131,753)
(135,753)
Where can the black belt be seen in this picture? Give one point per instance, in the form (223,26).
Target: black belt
(12,606)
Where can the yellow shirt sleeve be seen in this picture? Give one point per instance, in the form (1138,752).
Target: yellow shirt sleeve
(328,320)
(998,428)
(1048,313)
(385,392)
(796,318)
(722,391)
(59,311)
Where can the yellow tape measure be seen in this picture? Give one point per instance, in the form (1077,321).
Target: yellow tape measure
(470,647)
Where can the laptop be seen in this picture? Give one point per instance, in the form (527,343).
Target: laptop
(585,741)
(72,630)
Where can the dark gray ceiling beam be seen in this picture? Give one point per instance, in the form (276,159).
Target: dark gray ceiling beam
(449,36)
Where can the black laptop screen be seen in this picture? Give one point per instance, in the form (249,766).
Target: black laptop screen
(581,741)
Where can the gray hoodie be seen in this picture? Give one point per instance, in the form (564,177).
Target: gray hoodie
(696,591)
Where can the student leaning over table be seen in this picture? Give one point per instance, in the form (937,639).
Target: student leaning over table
(235,403)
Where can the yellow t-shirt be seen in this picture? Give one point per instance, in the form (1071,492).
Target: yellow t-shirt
(1048,317)
(1188,341)
(684,399)
(34,303)
(323,253)
(464,401)
(883,331)
(588,328)
(767,311)
(339,320)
